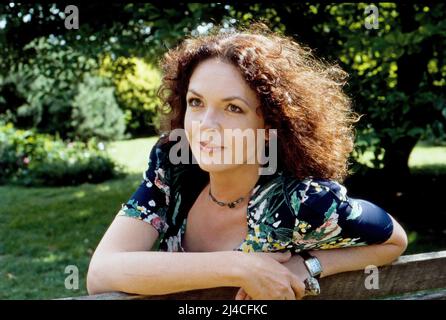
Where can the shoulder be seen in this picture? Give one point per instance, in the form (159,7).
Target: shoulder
(283,204)
(314,199)
(171,167)
(320,193)
(311,192)
(159,153)
(323,210)
(160,156)
(314,213)
(171,151)
(284,198)
(158,170)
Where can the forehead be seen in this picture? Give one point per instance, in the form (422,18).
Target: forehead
(214,76)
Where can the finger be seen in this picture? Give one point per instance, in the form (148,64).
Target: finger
(291,294)
(298,287)
(241,294)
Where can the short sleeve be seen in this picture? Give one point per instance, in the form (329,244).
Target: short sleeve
(150,201)
(327,218)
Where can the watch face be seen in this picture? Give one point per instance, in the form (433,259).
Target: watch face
(314,267)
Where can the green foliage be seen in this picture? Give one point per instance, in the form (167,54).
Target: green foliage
(397,76)
(44,87)
(28,158)
(57,92)
(136,84)
(95,111)
(46,63)
(397,71)
(133,29)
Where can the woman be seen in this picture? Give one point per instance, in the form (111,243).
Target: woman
(227,223)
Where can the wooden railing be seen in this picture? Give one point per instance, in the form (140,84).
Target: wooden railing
(413,277)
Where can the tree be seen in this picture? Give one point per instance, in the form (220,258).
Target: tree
(95,111)
(397,71)
(398,80)
(45,63)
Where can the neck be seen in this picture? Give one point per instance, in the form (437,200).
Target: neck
(230,185)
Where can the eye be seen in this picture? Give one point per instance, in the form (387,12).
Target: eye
(234,108)
(193,102)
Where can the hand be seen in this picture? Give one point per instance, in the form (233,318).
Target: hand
(264,277)
(242,295)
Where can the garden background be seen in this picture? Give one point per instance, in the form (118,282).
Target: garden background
(78,117)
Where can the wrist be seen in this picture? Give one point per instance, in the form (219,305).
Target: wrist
(235,268)
(317,254)
(312,264)
(314,268)
(297,266)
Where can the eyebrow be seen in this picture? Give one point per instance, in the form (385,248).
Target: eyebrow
(225,99)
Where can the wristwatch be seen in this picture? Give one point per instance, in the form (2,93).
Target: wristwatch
(312,263)
(314,268)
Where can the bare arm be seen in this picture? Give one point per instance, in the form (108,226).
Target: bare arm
(335,261)
(122,262)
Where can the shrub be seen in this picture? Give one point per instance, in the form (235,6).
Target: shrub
(28,158)
(95,111)
(136,83)
(58,91)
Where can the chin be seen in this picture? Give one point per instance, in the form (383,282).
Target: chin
(216,167)
(205,162)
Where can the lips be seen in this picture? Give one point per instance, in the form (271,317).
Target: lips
(206,144)
(208,147)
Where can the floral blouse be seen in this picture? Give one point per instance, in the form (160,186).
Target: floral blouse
(283,213)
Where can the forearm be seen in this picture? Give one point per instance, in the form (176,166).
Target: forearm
(335,261)
(154,273)
(355,258)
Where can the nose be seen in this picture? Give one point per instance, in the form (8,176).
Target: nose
(210,120)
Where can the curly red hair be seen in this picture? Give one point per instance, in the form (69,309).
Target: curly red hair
(301,96)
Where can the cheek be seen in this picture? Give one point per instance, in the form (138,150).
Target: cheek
(252,122)
(246,121)
(191,127)
(189,119)
(187,126)
(187,122)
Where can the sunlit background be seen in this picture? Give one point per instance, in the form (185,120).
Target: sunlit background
(78,117)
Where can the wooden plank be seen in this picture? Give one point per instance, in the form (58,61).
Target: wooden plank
(436,294)
(409,274)
(222,293)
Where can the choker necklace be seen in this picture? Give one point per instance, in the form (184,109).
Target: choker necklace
(229,204)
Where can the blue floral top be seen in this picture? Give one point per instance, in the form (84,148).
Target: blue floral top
(284,213)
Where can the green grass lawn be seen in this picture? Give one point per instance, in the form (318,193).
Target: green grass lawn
(132,154)
(425,158)
(44,230)
(428,159)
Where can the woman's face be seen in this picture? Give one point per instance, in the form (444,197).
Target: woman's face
(221,111)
